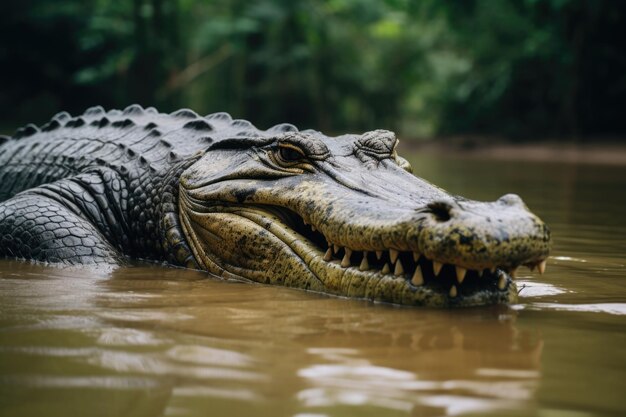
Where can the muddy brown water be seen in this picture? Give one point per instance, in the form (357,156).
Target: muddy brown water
(157,341)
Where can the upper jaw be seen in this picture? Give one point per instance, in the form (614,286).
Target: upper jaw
(483,238)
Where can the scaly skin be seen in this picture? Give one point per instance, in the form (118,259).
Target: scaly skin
(220,195)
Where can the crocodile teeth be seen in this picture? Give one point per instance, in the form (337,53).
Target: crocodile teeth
(417,278)
(453,291)
(492,269)
(460,274)
(399,270)
(393,255)
(364,264)
(345,262)
(386,269)
(502,282)
(437,267)
(416,256)
(313,228)
(328,256)
(542,267)
(379,254)
(513,272)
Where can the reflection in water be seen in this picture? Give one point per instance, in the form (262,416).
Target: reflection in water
(153,341)
(402,391)
(440,365)
(198,344)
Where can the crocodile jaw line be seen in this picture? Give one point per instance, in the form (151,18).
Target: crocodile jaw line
(387,275)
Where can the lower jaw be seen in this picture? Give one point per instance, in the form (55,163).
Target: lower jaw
(375,286)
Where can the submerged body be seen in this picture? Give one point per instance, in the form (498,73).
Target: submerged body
(340,215)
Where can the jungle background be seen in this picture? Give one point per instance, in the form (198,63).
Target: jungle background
(512,69)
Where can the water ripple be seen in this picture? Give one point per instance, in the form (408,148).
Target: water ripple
(609,308)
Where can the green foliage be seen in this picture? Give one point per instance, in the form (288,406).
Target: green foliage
(517,68)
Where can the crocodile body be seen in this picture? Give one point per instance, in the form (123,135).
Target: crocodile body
(218,194)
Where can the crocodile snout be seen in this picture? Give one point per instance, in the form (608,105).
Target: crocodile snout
(480,235)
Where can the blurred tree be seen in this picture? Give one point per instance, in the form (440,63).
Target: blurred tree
(518,68)
(39,54)
(538,68)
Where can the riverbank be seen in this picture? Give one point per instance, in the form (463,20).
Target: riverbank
(598,153)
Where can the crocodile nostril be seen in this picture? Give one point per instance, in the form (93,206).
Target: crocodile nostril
(440,210)
(511,200)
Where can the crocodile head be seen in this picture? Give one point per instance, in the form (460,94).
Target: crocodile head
(345,215)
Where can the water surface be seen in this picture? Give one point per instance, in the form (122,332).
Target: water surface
(156,341)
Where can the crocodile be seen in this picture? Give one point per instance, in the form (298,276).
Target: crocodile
(339,215)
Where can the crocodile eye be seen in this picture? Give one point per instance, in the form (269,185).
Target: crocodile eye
(289,153)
